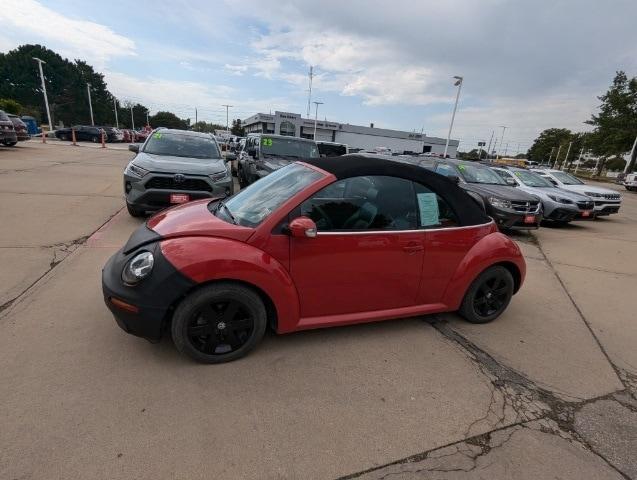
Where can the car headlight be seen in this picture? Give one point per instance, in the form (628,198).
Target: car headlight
(560,199)
(217,177)
(135,170)
(593,194)
(499,202)
(138,268)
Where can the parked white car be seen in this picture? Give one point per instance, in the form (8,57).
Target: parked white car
(607,201)
(630,182)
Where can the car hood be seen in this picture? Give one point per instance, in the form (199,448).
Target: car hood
(501,191)
(556,191)
(172,164)
(589,188)
(194,219)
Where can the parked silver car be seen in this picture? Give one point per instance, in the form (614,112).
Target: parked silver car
(173,167)
(559,205)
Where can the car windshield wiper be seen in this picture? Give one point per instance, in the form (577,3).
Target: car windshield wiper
(225,207)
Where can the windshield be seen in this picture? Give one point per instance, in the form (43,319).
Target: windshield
(251,206)
(567,178)
(476,174)
(532,179)
(191,146)
(288,147)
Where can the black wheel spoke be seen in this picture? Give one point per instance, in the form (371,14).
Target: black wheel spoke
(231,338)
(210,344)
(241,324)
(230,312)
(199,330)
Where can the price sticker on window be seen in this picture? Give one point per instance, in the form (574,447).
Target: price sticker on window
(157,135)
(429,212)
(266,142)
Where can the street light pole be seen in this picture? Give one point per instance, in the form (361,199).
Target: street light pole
(46,99)
(566,157)
(579,160)
(503,127)
(132,122)
(458,83)
(490,140)
(316,117)
(629,163)
(227,107)
(557,157)
(90,105)
(115,108)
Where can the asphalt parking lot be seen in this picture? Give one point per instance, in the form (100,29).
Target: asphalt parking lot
(547,390)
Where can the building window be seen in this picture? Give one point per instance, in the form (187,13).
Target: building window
(426,148)
(287,128)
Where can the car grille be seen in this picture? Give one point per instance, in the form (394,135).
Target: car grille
(169,183)
(612,196)
(585,205)
(525,207)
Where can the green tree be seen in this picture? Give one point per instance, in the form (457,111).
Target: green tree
(207,127)
(168,120)
(237,128)
(547,144)
(615,126)
(10,106)
(615,164)
(139,115)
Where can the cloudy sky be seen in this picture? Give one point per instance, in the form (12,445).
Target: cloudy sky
(529,65)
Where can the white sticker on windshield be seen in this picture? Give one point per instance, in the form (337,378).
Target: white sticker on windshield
(429,213)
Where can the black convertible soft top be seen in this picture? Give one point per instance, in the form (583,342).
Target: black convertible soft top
(356,165)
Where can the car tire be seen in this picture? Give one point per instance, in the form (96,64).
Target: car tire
(134,212)
(488,296)
(11,144)
(223,336)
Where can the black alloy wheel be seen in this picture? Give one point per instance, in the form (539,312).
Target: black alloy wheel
(488,296)
(219,323)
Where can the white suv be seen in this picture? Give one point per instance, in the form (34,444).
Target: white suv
(607,201)
(630,181)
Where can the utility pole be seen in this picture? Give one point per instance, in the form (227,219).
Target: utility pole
(503,127)
(506,149)
(316,117)
(631,161)
(458,83)
(115,108)
(46,99)
(579,160)
(557,157)
(90,105)
(132,122)
(490,140)
(551,155)
(227,107)
(566,157)
(196,117)
(309,91)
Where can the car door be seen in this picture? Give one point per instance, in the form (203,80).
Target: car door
(368,251)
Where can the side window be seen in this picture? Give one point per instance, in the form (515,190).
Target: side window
(364,203)
(503,173)
(433,210)
(446,170)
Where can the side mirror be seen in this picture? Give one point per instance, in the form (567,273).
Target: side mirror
(230,157)
(134,148)
(302,227)
(511,182)
(455,179)
(252,152)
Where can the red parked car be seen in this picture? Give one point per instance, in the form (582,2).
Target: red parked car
(320,243)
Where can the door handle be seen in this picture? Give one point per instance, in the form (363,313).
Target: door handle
(413,247)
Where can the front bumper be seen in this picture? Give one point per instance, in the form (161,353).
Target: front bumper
(508,220)
(606,207)
(8,136)
(151,301)
(153,199)
(562,214)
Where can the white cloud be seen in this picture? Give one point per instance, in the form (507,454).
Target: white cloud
(28,21)
(235,69)
(182,97)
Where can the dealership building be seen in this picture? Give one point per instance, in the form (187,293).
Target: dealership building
(354,136)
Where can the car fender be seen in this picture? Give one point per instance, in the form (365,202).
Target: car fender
(495,248)
(206,259)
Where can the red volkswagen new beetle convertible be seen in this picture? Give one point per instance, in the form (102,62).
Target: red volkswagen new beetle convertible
(326,242)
